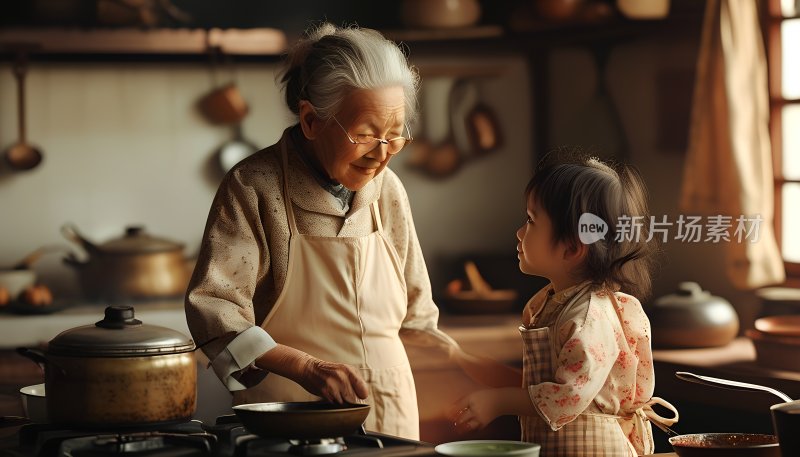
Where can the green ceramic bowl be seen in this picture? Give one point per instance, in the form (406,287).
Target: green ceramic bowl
(489,447)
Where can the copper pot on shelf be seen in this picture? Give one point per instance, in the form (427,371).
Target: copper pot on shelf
(118,372)
(134,266)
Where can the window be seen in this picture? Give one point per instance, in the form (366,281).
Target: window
(783,54)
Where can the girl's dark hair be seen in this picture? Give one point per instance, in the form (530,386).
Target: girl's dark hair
(567,184)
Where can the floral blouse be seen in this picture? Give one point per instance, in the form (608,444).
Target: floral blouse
(602,354)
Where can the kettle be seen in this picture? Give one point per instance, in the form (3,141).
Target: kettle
(692,318)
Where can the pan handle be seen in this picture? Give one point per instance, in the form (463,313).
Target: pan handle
(727,384)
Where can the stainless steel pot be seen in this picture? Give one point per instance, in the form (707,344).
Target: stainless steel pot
(136,265)
(119,372)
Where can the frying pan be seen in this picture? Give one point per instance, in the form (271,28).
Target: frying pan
(785,416)
(301,420)
(725,445)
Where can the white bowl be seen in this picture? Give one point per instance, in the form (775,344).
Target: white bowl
(16,281)
(496,448)
(34,402)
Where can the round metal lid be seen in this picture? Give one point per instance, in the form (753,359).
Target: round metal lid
(137,241)
(119,335)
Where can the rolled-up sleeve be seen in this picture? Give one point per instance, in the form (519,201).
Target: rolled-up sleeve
(235,367)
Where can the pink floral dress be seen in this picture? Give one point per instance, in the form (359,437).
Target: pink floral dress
(588,368)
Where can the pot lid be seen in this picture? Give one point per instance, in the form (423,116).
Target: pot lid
(136,241)
(119,335)
(689,294)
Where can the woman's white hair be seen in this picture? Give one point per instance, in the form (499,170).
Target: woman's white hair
(330,61)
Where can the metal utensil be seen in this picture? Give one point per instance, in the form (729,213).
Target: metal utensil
(22,155)
(728,384)
(235,149)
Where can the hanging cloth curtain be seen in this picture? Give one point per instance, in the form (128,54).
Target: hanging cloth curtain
(728,168)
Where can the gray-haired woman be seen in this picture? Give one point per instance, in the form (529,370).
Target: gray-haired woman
(310,270)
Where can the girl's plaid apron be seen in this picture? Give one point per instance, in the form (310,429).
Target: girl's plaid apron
(591,434)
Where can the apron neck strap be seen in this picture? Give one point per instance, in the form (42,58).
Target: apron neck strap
(287,199)
(376,214)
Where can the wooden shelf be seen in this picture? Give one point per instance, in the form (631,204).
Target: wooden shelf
(137,41)
(445,34)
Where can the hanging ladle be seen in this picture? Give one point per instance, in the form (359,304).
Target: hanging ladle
(21,155)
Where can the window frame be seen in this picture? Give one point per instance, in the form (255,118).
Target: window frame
(772,18)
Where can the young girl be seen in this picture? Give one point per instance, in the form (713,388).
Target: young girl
(587,379)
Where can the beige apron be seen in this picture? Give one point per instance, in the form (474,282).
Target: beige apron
(344,301)
(592,433)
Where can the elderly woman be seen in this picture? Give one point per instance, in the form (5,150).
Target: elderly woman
(310,270)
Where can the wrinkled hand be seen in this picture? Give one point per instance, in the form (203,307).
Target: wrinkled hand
(335,382)
(474,411)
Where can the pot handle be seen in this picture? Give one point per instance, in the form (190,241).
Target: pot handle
(35,355)
(73,261)
(38,357)
(71,233)
(727,384)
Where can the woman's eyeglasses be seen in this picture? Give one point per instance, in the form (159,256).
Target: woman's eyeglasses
(368,142)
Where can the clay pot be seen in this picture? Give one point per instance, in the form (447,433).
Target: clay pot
(435,14)
(692,318)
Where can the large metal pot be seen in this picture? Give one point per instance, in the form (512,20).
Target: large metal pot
(136,265)
(119,372)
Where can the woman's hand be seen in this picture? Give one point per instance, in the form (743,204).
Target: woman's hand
(474,411)
(335,382)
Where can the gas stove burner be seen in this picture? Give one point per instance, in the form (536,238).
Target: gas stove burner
(324,446)
(138,444)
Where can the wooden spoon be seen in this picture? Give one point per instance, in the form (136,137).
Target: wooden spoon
(476,281)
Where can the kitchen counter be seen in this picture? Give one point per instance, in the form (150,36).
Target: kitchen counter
(735,361)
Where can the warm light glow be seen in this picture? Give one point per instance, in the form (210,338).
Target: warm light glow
(790,42)
(788,8)
(791,141)
(791,222)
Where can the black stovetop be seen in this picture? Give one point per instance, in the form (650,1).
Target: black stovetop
(226,438)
